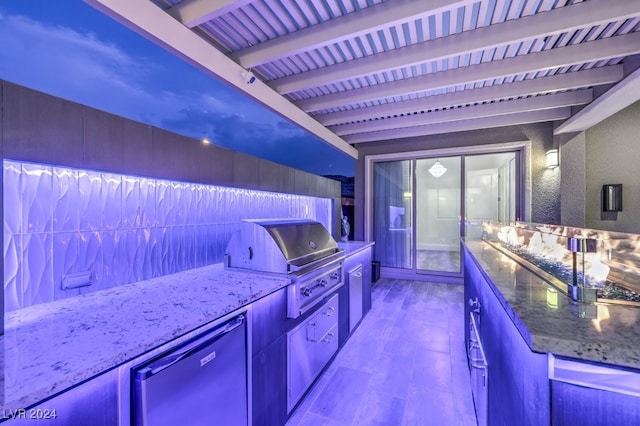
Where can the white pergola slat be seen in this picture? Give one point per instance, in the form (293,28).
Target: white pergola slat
(628,44)
(536,103)
(345,27)
(556,21)
(555,83)
(463,125)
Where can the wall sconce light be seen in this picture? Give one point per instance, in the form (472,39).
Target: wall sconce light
(612,197)
(437,169)
(553,159)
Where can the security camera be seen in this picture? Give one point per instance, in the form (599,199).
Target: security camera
(248,76)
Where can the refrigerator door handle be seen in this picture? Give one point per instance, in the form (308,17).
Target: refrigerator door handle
(166,362)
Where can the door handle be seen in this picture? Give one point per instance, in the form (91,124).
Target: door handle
(169,360)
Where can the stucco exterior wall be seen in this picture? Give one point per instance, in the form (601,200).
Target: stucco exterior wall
(573,184)
(545,183)
(612,157)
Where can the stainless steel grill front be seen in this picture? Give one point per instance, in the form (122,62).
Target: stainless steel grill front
(300,248)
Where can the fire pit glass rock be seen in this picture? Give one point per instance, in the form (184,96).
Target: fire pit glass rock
(602,262)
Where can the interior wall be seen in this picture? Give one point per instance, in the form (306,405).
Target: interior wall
(611,152)
(572,187)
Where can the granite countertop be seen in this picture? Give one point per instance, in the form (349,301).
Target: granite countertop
(352,247)
(613,337)
(51,347)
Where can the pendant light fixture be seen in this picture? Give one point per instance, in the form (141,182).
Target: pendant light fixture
(437,169)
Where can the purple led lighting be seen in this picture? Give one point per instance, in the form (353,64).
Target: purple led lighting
(60,221)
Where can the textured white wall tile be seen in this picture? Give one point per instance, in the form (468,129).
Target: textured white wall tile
(13,265)
(184,203)
(111,201)
(37,203)
(66,194)
(122,268)
(166,206)
(200,245)
(148,200)
(37,271)
(109,253)
(132,204)
(90,200)
(12,197)
(90,258)
(65,257)
(210,243)
(121,228)
(214,209)
(137,256)
(154,251)
(189,241)
(199,205)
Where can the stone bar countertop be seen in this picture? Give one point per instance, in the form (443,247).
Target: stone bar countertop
(352,247)
(607,333)
(51,347)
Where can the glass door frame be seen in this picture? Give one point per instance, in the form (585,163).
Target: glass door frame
(522,184)
(461,221)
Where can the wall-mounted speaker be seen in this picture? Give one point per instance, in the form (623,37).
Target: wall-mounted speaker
(612,197)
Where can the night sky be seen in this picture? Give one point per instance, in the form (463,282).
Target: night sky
(70,50)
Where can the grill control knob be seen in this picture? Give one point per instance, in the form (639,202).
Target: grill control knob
(322,283)
(306,291)
(335,275)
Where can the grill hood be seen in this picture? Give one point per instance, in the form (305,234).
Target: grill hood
(279,245)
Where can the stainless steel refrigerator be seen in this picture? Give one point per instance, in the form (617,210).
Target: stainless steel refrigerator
(203,382)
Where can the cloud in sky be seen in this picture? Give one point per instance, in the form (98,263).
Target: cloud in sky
(156,88)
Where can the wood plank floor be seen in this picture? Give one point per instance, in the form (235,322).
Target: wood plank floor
(404,365)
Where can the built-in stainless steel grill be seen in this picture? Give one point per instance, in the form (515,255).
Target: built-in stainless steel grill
(300,248)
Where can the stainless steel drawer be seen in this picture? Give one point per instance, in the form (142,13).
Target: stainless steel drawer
(309,347)
(323,320)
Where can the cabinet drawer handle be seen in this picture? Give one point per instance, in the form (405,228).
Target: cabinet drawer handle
(330,311)
(329,337)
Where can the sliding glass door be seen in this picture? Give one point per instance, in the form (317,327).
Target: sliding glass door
(392,213)
(438,191)
(419,205)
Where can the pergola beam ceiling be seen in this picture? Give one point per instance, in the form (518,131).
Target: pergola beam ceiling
(614,47)
(554,83)
(617,98)
(463,125)
(350,25)
(537,103)
(556,21)
(192,13)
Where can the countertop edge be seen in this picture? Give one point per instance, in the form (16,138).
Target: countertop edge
(354,247)
(620,355)
(194,285)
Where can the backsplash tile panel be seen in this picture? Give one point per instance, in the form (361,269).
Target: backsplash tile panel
(12,199)
(36,188)
(89,202)
(65,194)
(123,229)
(12,271)
(37,268)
